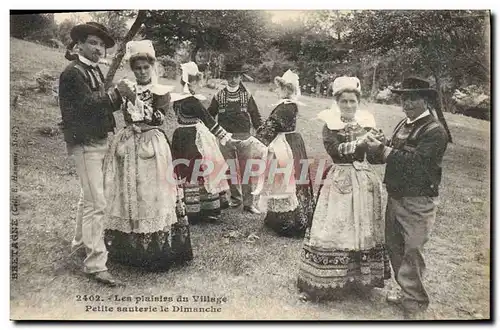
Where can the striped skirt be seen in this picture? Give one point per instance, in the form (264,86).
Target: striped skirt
(200,204)
(344,247)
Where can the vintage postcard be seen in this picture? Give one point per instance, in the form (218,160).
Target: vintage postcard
(250,165)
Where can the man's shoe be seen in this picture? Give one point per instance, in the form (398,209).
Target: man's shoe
(77,256)
(414,314)
(411,310)
(224,205)
(106,278)
(251,209)
(234,204)
(394,297)
(213,218)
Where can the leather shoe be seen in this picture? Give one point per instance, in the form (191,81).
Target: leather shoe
(234,204)
(251,209)
(411,310)
(394,297)
(224,205)
(417,314)
(213,218)
(106,278)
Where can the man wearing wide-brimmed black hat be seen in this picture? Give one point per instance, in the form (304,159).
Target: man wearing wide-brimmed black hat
(413,172)
(87,118)
(237,113)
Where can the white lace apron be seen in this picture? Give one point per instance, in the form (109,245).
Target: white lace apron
(208,147)
(272,185)
(140,195)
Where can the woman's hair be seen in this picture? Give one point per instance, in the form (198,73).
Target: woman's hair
(151,60)
(287,87)
(191,79)
(339,93)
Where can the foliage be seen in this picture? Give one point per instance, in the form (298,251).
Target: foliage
(170,66)
(64,30)
(335,23)
(237,31)
(436,44)
(380,47)
(471,96)
(287,37)
(36,27)
(114,20)
(313,49)
(274,63)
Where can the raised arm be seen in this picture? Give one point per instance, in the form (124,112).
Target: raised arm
(430,148)
(213,108)
(282,119)
(81,102)
(331,143)
(210,122)
(254,113)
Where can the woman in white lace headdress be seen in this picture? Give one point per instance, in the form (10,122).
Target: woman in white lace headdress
(195,144)
(344,247)
(287,197)
(147,224)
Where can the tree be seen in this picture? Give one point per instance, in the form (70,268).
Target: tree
(288,37)
(40,27)
(64,30)
(442,43)
(274,63)
(120,53)
(323,48)
(114,20)
(445,40)
(335,23)
(241,32)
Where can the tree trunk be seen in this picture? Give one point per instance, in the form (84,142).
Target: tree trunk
(121,48)
(194,53)
(440,105)
(373,93)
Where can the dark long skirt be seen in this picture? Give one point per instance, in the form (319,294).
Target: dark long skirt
(157,251)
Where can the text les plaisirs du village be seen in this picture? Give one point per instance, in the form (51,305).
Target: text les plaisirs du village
(153,303)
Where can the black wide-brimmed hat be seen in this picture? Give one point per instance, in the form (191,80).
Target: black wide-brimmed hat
(92,28)
(415,85)
(233,67)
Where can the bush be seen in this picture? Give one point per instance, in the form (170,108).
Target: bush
(274,64)
(472,101)
(169,67)
(40,28)
(385,96)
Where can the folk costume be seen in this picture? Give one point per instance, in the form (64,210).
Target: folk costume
(87,118)
(147,224)
(194,141)
(413,159)
(289,202)
(344,247)
(236,111)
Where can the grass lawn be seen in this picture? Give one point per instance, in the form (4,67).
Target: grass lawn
(258,279)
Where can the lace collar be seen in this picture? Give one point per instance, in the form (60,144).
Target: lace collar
(332,118)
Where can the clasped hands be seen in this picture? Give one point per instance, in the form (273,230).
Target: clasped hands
(256,147)
(372,141)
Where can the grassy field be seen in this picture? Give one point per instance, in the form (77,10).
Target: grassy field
(257,278)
